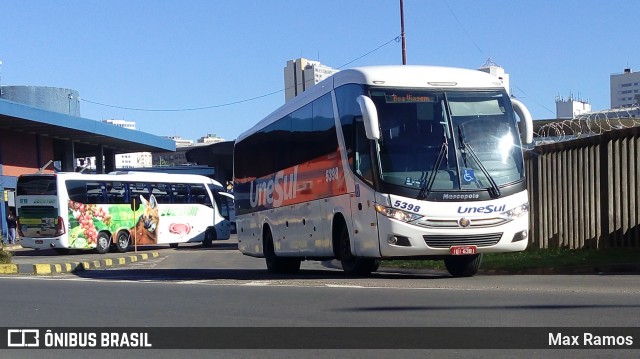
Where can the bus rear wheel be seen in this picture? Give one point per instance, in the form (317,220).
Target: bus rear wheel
(277,264)
(103,241)
(463,266)
(351,264)
(122,242)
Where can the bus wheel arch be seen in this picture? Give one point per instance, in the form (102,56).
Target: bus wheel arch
(351,264)
(274,263)
(103,242)
(123,241)
(336,231)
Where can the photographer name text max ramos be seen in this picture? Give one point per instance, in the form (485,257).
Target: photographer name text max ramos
(589,339)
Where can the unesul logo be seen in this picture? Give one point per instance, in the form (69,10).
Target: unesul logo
(483,209)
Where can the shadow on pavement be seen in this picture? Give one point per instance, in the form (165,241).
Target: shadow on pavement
(184,274)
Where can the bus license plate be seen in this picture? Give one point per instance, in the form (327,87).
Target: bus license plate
(39,241)
(462,250)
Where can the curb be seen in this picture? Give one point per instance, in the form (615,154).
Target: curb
(47,269)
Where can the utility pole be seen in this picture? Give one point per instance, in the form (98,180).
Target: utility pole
(404,45)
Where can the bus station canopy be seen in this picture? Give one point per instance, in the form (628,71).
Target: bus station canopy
(87,135)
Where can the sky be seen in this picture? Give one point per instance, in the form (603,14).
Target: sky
(190,68)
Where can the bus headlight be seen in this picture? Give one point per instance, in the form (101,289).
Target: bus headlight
(394,213)
(517,212)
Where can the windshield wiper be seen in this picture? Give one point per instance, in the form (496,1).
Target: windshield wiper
(426,187)
(494,190)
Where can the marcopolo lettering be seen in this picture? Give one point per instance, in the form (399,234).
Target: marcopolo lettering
(274,191)
(484,209)
(460,196)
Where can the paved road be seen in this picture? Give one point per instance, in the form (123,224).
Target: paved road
(218,287)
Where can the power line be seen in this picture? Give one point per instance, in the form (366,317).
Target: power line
(396,39)
(465,30)
(182,109)
(537,102)
(483,53)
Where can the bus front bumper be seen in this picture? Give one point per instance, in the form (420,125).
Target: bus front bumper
(398,239)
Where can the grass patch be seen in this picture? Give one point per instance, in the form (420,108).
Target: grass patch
(537,258)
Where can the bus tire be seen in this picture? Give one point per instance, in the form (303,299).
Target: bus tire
(463,266)
(209,237)
(277,264)
(351,264)
(123,241)
(103,242)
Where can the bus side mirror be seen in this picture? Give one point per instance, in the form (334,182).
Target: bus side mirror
(370,117)
(526,119)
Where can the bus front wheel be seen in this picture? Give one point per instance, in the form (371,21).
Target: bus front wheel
(351,264)
(277,264)
(103,242)
(463,266)
(209,237)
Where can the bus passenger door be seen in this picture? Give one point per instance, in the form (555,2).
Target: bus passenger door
(365,224)
(364,237)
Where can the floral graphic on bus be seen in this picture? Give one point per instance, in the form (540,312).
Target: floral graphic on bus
(85,234)
(150,223)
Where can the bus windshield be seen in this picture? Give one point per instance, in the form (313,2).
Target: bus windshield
(444,141)
(37,185)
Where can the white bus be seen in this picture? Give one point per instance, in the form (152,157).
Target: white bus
(67,211)
(386,162)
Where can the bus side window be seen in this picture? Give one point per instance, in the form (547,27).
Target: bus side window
(94,193)
(116,192)
(197,194)
(159,191)
(180,192)
(77,191)
(363,165)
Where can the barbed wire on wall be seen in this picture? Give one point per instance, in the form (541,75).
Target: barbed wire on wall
(589,124)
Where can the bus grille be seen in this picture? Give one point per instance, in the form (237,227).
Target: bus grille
(453,223)
(480,240)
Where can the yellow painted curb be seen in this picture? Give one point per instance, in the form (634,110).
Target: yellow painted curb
(8,269)
(42,268)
